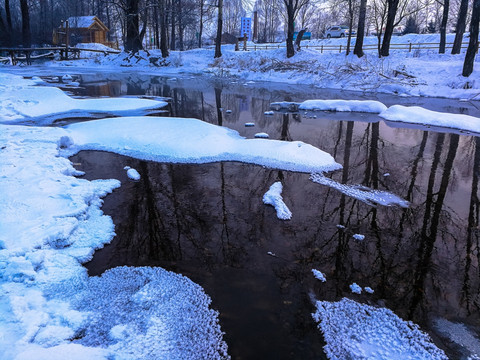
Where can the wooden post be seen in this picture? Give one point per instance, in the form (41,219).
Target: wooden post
(340,48)
(245,42)
(321,50)
(66,39)
(410,48)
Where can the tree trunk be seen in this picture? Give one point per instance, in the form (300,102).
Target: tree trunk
(8,15)
(443,27)
(299,39)
(200,31)
(387,36)
(218,40)
(163,29)
(173,35)
(473,43)
(132,42)
(26,35)
(460,28)
(350,25)
(361,29)
(156,29)
(290,28)
(180,25)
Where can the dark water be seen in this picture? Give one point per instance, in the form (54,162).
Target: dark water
(208,221)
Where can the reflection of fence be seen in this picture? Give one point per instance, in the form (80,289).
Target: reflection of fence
(341,48)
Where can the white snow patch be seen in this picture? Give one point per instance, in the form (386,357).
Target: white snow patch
(274,197)
(339,226)
(249,124)
(367,106)
(358,331)
(24,101)
(356,289)
(269,113)
(362,193)
(359,237)
(262,135)
(419,115)
(319,275)
(368,290)
(158,139)
(133,174)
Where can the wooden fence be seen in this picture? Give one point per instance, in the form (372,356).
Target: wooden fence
(371,47)
(28,55)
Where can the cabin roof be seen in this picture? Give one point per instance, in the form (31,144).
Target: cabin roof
(85,22)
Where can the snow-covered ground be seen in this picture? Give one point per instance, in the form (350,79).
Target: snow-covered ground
(420,72)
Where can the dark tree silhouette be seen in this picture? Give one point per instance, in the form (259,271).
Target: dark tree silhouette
(218,40)
(443,26)
(473,43)
(358,50)
(387,37)
(460,28)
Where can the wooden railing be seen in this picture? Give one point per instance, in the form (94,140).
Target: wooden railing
(27,55)
(342,47)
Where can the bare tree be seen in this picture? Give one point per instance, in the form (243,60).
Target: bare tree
(443,26)
(460,27)
(473,43)
(218,40)
(26,35)
(292,7)
(358,50)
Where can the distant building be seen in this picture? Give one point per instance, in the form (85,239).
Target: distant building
(81,29)
(246,28)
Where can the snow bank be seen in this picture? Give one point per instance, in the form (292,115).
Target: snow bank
(419,115)
(367,106)
(133,174)
(182,140)
(43,105)
(51,223)
(357,331)
(319,275)
(362,193)
(274,197)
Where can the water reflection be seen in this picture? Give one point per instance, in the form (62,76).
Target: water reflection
(208,221)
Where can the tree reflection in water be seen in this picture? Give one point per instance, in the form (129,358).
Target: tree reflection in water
(208,222)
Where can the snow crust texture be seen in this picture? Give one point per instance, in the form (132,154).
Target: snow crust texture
(274,197)
(358,331)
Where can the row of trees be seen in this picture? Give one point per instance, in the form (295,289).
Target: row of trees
(183,24)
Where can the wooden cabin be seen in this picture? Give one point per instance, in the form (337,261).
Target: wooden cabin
(81,29)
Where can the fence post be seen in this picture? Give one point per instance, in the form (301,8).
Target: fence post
(340,48)
(410,48)
(321,50)
(255,47)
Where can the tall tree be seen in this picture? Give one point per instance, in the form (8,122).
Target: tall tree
(289,4)
(358,50)
(163,29)
(473,43)
(133,42)
(460,28)
(387,37)
(218,40)
(26,34)
(443,26)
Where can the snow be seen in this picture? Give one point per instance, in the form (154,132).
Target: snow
(51,223)
(459,334)
(358,331)
(249,124)
(133,174)
(362,193)
(80,21)
(274,197)
(21,100)
(367,106)
(419,115)
(358,237)
(356,289)
(368,290)
(262,135)
(183,140)
(319,275)
(268,113)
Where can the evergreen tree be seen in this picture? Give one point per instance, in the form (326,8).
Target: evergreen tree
(411,26)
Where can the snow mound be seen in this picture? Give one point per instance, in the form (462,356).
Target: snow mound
(356,289)
(367,106)
(45,104)
(158,139)
(262,135)
(175,323)
(274,197)
(362,193)
(133,174)
(358,331)
(419,115)
(359,237)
